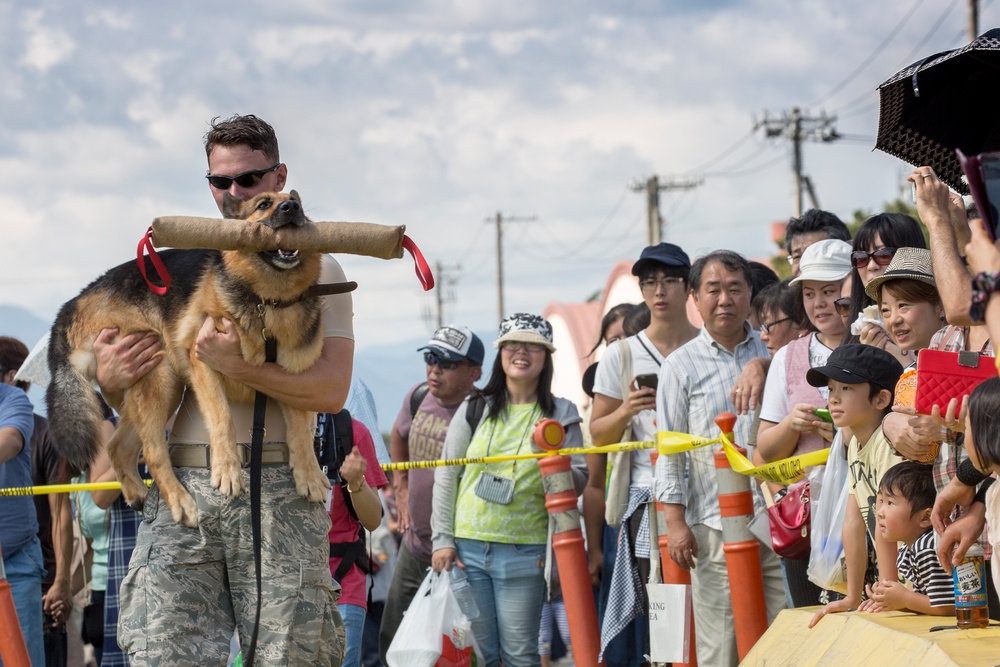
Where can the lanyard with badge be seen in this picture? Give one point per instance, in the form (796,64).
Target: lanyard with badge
(499,489)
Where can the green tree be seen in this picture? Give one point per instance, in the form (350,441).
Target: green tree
(897,206)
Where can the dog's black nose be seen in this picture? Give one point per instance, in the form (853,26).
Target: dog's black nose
(289,206)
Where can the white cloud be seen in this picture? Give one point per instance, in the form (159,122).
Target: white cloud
(46,46)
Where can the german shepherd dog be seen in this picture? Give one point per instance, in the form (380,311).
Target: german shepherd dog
(258,291)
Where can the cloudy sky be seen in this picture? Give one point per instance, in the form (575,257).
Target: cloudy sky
(436,114)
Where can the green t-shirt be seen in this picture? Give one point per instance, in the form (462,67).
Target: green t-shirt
(525,520)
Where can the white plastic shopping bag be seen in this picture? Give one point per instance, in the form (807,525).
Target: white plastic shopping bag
(669,619)
(418,640)
(434,630)
(827,563)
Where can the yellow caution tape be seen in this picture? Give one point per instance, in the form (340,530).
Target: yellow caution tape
(63,488)
(784,471)
(438,463)
(672,442)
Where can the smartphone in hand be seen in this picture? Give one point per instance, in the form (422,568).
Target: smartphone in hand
(823,414)
(646,380)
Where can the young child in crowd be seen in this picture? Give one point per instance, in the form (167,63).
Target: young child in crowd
(906,497)
(861,379)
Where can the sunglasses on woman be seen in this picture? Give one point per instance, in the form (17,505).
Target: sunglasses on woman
(432,359)
(882,257)
(247,179)
(843,306)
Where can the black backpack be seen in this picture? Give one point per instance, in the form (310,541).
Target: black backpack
(334,441)
(473,413)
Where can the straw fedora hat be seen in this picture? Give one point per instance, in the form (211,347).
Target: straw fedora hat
(912,263)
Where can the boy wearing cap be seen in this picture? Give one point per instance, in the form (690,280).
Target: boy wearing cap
(453,363)
(861,380)
(621,405)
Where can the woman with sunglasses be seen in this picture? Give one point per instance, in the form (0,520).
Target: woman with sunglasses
(874,245)
(489,518)
(789,425)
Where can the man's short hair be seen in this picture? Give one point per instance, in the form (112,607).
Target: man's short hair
(731,261)
(913,481)
(240,130)
(815,220)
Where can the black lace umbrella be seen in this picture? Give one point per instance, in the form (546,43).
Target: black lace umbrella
(943,102)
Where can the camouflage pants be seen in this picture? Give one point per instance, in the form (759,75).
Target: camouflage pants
(186,589)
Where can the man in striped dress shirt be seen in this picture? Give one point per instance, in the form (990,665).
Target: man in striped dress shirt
(694,387)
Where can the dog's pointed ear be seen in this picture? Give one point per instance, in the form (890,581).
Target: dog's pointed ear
(295,195)
(231,206)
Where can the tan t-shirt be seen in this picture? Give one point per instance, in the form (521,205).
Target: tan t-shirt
(338,322)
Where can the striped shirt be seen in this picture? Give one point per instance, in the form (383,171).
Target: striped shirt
(918,563)
(694,387)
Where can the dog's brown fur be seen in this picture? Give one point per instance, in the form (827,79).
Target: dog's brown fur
(238,285)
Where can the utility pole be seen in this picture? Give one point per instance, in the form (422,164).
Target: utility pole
(973,19)
(445,280)
(797,127)
(652,187)
(498,220)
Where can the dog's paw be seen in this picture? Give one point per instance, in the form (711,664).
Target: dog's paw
(185,510)
(227,478)
(134,494)
(311,483)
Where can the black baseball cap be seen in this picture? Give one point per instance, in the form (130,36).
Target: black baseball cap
(661,253)
(856,363)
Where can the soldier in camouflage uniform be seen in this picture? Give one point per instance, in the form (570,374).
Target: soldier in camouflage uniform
(187,589)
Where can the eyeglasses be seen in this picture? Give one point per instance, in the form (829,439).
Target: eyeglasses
(515,345)
(247,179)
(766,326)
(882,257)
(432,359)
(843,306)
(650,284)
(794,258)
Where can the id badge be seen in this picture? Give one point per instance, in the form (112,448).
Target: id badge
(495,489)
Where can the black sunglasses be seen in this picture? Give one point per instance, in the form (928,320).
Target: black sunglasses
(882,257)
(247,179)
(432,359)
(843,306)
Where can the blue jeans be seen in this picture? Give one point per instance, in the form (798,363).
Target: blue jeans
(24,574)
(354,624)
(508,584)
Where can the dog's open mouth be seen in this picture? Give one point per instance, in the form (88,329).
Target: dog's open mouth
(281,259)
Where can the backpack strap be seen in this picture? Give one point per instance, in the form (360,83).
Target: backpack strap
(474,411)
(351,554)
(417,397)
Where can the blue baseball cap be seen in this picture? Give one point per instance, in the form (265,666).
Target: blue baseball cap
(661,253)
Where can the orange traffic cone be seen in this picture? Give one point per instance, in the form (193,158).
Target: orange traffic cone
(13,650)
(746,577)
(674,574)
(567,544)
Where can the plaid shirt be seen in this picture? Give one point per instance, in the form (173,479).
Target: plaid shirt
(954,339)
(124,527)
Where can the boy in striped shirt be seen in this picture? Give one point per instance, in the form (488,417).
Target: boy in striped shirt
(906,497)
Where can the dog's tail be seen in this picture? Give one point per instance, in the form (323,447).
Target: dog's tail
(74,410)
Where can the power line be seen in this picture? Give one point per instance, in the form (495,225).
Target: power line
(867,61)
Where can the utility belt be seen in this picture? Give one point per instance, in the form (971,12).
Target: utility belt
(198,455)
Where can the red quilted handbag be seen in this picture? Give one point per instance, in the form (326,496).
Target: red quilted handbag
(942,376)
(789,519)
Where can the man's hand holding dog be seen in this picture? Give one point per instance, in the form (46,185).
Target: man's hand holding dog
(121,363)
(218,349)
